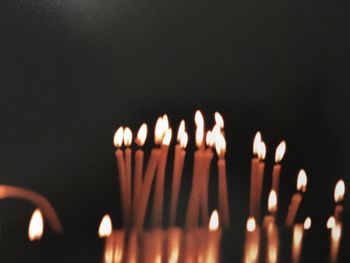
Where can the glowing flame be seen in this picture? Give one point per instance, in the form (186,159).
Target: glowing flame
(181,130)
(199,136)
(272,202)
(251,225)
(118,137)
(297,236)
(209,139)
(198,119)
(214,221)
(336,232)
(261,150)
(307,223)
(127,137)
(330,222)
(105,228)
(165,123)
(220,145)
(280,151)
(339,191)
(219,120)
(301,181)
(167,137)
(256,143)
(141,135)
(36,226)
(159,131)
(183,140)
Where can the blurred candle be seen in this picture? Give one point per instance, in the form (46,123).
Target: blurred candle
(271,229)
(114,247)
(296,198)
(298,235)
(260,177)
(253,175)
(214,236)
(276,171)
(339,192)
(174,245)
(132,253)
(252,242)
(128,153)
(139,155)
(272,208)
(336,234)
(179,158)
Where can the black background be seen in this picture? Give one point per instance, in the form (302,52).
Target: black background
(71,72)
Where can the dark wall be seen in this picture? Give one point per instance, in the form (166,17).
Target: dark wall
(71,72)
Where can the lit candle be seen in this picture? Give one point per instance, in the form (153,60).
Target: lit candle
(214,236)
(174,245)
(152,246)
(139,155)
(296,198)
(298,235)
(260,177)
(132,254)
(276,171)
(336,234)
(36,226)
(253,175)
(272,209)
(339,192)
(179,158)
(193,204)
(220,145)
(118,142)
(252,242)
(128,153)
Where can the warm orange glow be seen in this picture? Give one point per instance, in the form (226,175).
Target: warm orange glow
(36,226)
(330,222)
(199,136)
(339,191)
(105,228)
(219,120)
(127,137)
(301,181)
(198,119)
(261,151)
(256,143)
(307,223)
(280,151)
(220,145)
(209,139)
(183,140)
(214,221)
(159,131)
(251,225)
(167,137)
(272,202)
(297,236)
(181,130)
(118,137)
(336,232)
(141,135)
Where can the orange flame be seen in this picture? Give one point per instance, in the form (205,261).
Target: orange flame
(183,140)
(261,151)
(127,137)
(214,221)
(167,137)
(330,222)
(256,143)
(105,228)
(141,135)
(165,123)
(36,226)
(118,137)
(307,223)
(220,145)
(219,120)
(199,136)
(159,130)
(280,150)
(181,130)
(272,202)
(198,119)
(301,181)
(251,224)
(339,191)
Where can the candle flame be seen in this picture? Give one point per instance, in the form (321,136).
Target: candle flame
(307,223)
(219,120)
(167,137)
(36,226)
(297,235)
(214,221)
(339,191)
(118,137)
(127,136)
(280,150)
(330,222)
(105,228)
(181,130)
(301,181)
(209,139)
(165,123)
(251,225)
(141,135)
(199,136)
(272,202)
(198,119)
(336,232)
(183,140)
(261,151)
(159,130)
(220,145)
(256,143)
